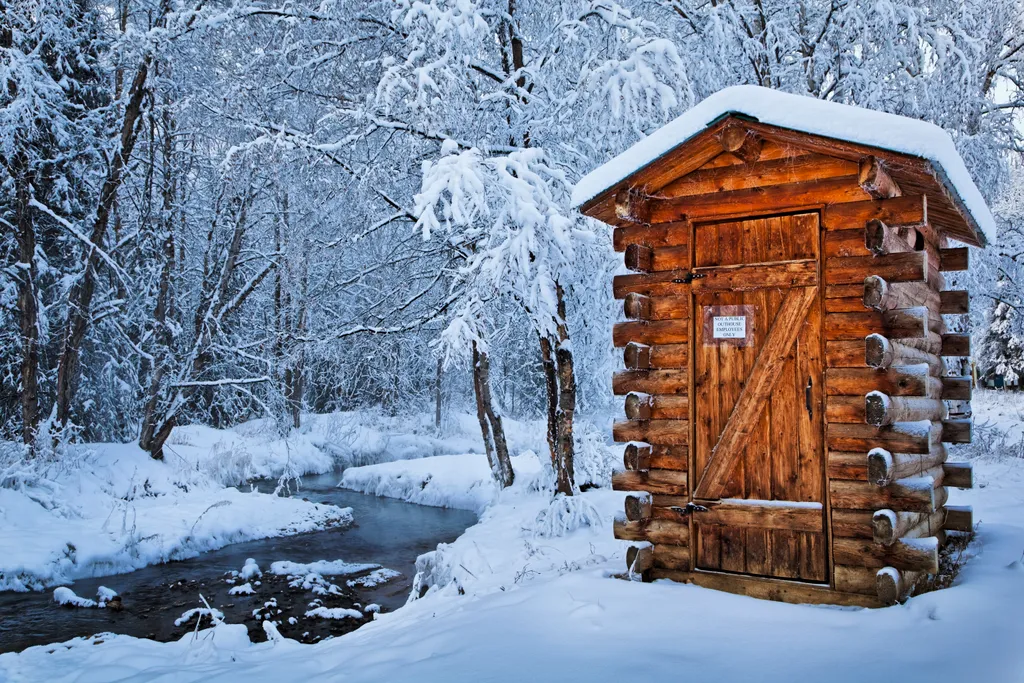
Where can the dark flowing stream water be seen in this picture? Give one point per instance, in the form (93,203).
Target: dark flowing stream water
(387,532)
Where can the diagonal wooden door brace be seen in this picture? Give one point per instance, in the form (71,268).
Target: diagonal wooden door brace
(759,385)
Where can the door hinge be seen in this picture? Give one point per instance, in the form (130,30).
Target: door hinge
(688,277)
(690,507)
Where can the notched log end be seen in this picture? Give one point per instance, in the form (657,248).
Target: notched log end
(633,206)
(877,351)
(639,258)
(880,467)
(876,409)
(639,559)
(636,306)
(889,585)
(637,356)
(876,292)
(875,180)
(741,142)
(639,406)
(883,526)
(636,457)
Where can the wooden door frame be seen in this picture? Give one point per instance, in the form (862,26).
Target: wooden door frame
(819,209)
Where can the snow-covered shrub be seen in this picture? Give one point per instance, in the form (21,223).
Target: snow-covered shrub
(35,473)
(230,463)
(594,458)
(565,514)
(988,440)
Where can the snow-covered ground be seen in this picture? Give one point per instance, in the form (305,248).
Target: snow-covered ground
(527,594)
(109,508)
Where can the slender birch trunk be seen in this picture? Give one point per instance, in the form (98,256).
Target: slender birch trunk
(491,428)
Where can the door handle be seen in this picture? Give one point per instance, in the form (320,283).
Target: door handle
(807,398)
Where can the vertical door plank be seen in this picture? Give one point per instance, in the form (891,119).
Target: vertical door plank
(762,245)
(732,373)
(811,429)
(706,382)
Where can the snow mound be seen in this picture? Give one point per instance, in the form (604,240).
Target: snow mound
(105,594)
(375,578)
(66,597)
(322,567)
(244,589)
(334,613)
(212,613)
(250,570)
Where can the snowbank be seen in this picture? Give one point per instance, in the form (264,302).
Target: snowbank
(807,114)
(462,481)
(365,438)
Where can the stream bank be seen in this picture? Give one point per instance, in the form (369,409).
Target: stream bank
(389,533)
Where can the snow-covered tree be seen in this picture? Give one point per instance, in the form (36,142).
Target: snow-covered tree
(517,98)
(1002,346)
(51,127)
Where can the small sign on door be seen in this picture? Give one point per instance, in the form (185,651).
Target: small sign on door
(729,326)
(732,325)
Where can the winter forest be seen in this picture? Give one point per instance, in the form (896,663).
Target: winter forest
(229,210)
(218,213)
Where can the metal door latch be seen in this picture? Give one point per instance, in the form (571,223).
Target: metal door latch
(687,278)
(807,398)
(690,507)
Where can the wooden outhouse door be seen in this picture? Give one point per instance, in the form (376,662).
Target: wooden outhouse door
(758,426)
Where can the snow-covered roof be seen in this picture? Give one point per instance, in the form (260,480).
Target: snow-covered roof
(805,114)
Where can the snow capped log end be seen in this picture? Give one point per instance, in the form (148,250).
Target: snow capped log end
(880,466)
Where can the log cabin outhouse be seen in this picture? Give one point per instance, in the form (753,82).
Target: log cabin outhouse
(790,381)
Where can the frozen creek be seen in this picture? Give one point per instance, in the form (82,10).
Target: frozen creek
(387,532)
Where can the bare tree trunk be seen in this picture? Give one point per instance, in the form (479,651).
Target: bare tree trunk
(281,322)
(296,384)
(80,297)
(560,382)
(547,358)
(213,308)
(151,439)
(491,428)
(28,301)
(437,394)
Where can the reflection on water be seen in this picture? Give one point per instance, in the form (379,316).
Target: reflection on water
(387,532)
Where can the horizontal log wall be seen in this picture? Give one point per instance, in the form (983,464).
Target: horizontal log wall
(885,379)
(654,339)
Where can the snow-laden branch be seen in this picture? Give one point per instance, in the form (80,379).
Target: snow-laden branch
(90,246)
(220,382)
